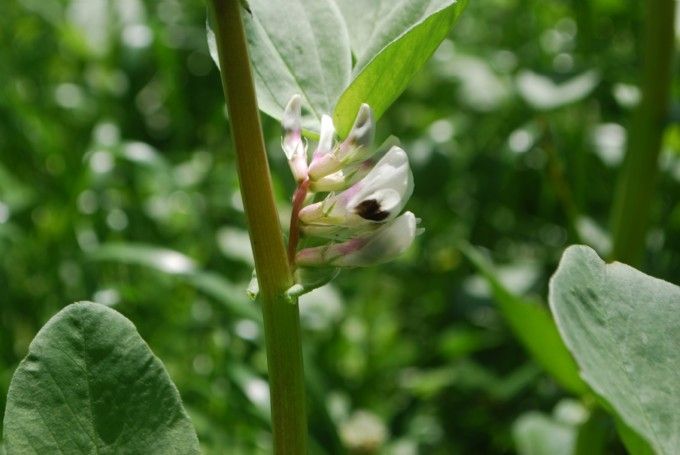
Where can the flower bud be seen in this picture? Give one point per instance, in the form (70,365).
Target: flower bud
(326,136)
(362,131)
(353,149)
(293,145)
(382,245)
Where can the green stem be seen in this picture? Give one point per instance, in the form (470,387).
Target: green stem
(633,198)
(591,438)
(281,319)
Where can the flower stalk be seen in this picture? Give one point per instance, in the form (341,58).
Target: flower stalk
(294,230)
(281,319)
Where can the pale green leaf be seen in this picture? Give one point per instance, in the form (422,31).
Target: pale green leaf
(623,328)
(298,47)
(90,384)
(375,24)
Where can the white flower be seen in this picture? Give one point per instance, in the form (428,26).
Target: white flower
(355,148)
(293,145)
(377,198)
(383,245)
(326,136)
(360,213)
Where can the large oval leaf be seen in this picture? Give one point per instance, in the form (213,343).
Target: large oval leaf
(90,384)
(623,328)
(389,62)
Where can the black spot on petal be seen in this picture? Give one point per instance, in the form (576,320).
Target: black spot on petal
(370,210)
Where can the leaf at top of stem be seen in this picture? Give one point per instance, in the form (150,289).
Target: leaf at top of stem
(297,47)
(408,37)
(303,46)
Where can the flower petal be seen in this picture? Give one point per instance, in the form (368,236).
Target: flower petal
(378,197)
(355,148)
(389,183)
(383,245)
(293,145)
(361,133)
(326,137)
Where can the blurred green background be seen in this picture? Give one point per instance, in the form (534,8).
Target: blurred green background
(118,185)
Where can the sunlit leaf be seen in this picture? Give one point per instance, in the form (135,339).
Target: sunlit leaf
(544,94)
(304,47)
(623,328)
(161,259)
(394,54)
(375,24)
(16,195)
(235,244)
(175,263)
(90,384)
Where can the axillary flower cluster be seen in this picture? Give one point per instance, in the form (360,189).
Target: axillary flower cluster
(349,196)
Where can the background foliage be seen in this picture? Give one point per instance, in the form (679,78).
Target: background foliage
(117,185)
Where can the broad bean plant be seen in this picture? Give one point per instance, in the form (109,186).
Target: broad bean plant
(327,70)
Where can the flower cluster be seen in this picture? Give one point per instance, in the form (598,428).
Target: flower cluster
(349,195)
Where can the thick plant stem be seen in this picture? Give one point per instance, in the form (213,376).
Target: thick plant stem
(635,189)
(281,319)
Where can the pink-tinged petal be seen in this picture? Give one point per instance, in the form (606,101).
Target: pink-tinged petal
(323,256)
(293,144)
(383,245)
